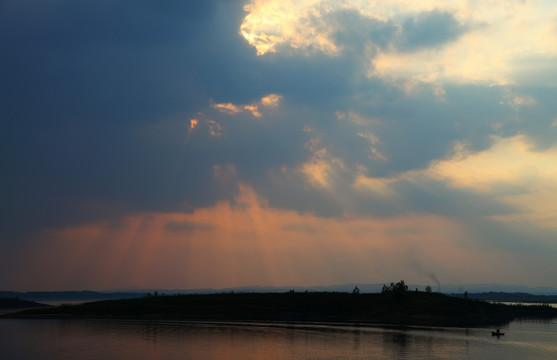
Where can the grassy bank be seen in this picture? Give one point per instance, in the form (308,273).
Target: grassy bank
(412,308)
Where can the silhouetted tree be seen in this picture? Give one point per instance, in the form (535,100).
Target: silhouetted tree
(428,289)
(400,287)
(397,290)
(356,290)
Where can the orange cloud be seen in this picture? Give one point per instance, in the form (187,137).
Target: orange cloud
(248,242)
(268,101)
(271,100)
(215,129)
(227,108)
(254,109)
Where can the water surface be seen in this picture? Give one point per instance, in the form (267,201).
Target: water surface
(77,339)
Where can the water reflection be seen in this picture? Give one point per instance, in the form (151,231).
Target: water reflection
(49,339)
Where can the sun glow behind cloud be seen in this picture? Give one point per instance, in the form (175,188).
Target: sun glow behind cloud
(512,171)
(494,34)
(249,242)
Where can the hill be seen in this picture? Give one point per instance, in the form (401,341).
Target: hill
(411,308)
(514,297)
(71,295)
(15,303)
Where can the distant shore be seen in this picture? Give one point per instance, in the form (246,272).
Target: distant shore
(412,308)
(11,305)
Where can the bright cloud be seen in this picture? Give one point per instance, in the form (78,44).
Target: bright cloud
(268,101)
(510,161)
(510,172)
(272,100)
(492,35)
(228,108)
(272,23)
(322,168)
(215,128)
(514,172)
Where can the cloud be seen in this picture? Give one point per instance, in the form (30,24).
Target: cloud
(513,172)
(409,120)
(480,41)
(248,242)
(487,52)
(510,173)
(379,186)
(268,101)
(228,108)
(269,24)
(183,226)
(373,141)
(429,30)
(321,167)
(226,172)
(271,100)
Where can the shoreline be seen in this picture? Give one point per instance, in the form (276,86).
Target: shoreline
(412,309)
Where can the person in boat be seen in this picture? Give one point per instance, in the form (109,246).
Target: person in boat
(497,333)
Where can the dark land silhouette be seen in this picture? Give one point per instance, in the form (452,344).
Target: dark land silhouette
(57,296)
(389,307)
(16,303)
(514,297)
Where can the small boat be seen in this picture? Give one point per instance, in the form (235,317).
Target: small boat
(497,333)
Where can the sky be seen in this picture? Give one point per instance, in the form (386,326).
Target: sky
(221,143)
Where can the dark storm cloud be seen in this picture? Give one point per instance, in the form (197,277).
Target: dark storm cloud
(98,97)
(116,61)
(82,80)
(429,29)
(354,31)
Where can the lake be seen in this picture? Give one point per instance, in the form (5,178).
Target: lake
(119,340)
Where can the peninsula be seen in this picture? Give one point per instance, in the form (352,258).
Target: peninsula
(408,308)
